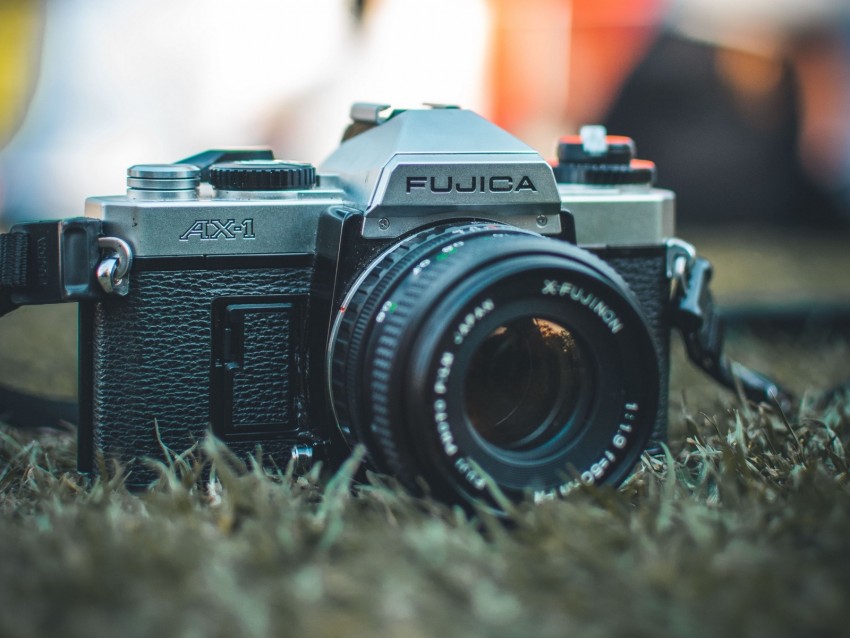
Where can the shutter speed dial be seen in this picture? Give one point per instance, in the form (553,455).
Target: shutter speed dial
(597,159)
(262,175)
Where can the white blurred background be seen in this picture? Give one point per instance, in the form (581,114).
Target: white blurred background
(120,83)
(744,105)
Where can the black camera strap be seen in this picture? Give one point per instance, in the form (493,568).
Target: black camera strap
(702,328)
(14,251)
(48,262)
(52,262)
(17,408)
(24,410)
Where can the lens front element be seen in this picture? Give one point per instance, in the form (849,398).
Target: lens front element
(524,383)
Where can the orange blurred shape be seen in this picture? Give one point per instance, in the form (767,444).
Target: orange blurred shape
(563,58)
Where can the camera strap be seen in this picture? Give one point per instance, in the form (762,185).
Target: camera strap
(58,261)
(18,408)
(53,262)
(14,251)
(702,328)
(24,410)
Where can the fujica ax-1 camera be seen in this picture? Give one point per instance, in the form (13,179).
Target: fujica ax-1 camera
(436,291)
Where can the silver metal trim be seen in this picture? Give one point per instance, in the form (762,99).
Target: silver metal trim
(148,195)
(392,227)
(302,457)
(369,112)
(164,171)
(383,170)
(122,252)
(185,227)
(621,215)
(680,258)
(113,269)
(145,183)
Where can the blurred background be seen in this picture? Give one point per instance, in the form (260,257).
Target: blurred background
(743,105)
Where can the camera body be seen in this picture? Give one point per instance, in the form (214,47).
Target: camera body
(432,266)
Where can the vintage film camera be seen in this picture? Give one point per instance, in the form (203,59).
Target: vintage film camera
(437,292)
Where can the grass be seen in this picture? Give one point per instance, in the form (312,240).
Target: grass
(741,528)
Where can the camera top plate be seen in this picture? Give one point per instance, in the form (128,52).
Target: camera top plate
(426,164)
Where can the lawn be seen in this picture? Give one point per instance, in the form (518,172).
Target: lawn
(743,528)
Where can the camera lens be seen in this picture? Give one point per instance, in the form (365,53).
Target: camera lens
(480,355)
(524,381)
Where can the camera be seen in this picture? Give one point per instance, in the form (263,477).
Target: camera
(473,315)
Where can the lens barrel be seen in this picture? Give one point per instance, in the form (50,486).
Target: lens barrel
(478,353)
